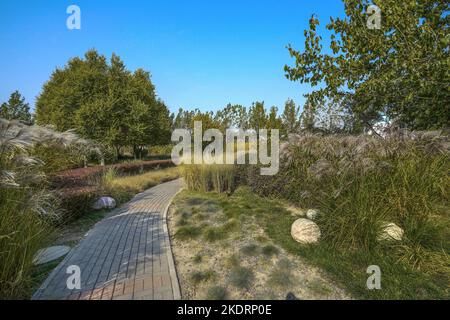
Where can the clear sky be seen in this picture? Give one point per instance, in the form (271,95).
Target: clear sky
(201,54)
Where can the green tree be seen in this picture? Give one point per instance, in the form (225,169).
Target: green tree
(16,108)
(290,118)
(161,129)
(399,71)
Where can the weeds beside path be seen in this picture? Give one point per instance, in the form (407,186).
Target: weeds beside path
(222,251)
(240,247)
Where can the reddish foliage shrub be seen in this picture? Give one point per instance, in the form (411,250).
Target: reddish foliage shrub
(79,188)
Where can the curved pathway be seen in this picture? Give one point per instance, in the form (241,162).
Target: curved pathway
(127,255)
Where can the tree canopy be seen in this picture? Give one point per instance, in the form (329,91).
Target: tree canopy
(400,71)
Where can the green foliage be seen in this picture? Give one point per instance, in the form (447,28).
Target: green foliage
(290,118)
(217,293)
(188,232)
(273,121)
(105,103)
(282,276)
(400,71)
(197,258)
(79,82)
(269,250)
(16,108)
(183,119)
(363,181)
(257,116)
(22,233)
(250,249)
(28,210)
(208,121)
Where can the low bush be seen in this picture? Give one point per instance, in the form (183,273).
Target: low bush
(28,210)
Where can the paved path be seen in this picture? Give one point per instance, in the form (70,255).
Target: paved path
(127,255)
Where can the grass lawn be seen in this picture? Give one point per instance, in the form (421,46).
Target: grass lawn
(240,246)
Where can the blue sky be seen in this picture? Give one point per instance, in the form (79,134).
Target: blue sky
(201,54)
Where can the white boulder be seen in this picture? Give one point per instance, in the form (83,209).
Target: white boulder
(391,231)
(104,203)
(312,214)
(305,231)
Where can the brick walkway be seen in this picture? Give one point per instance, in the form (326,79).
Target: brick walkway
(127,255)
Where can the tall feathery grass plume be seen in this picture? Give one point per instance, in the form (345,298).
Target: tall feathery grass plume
(28,210)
